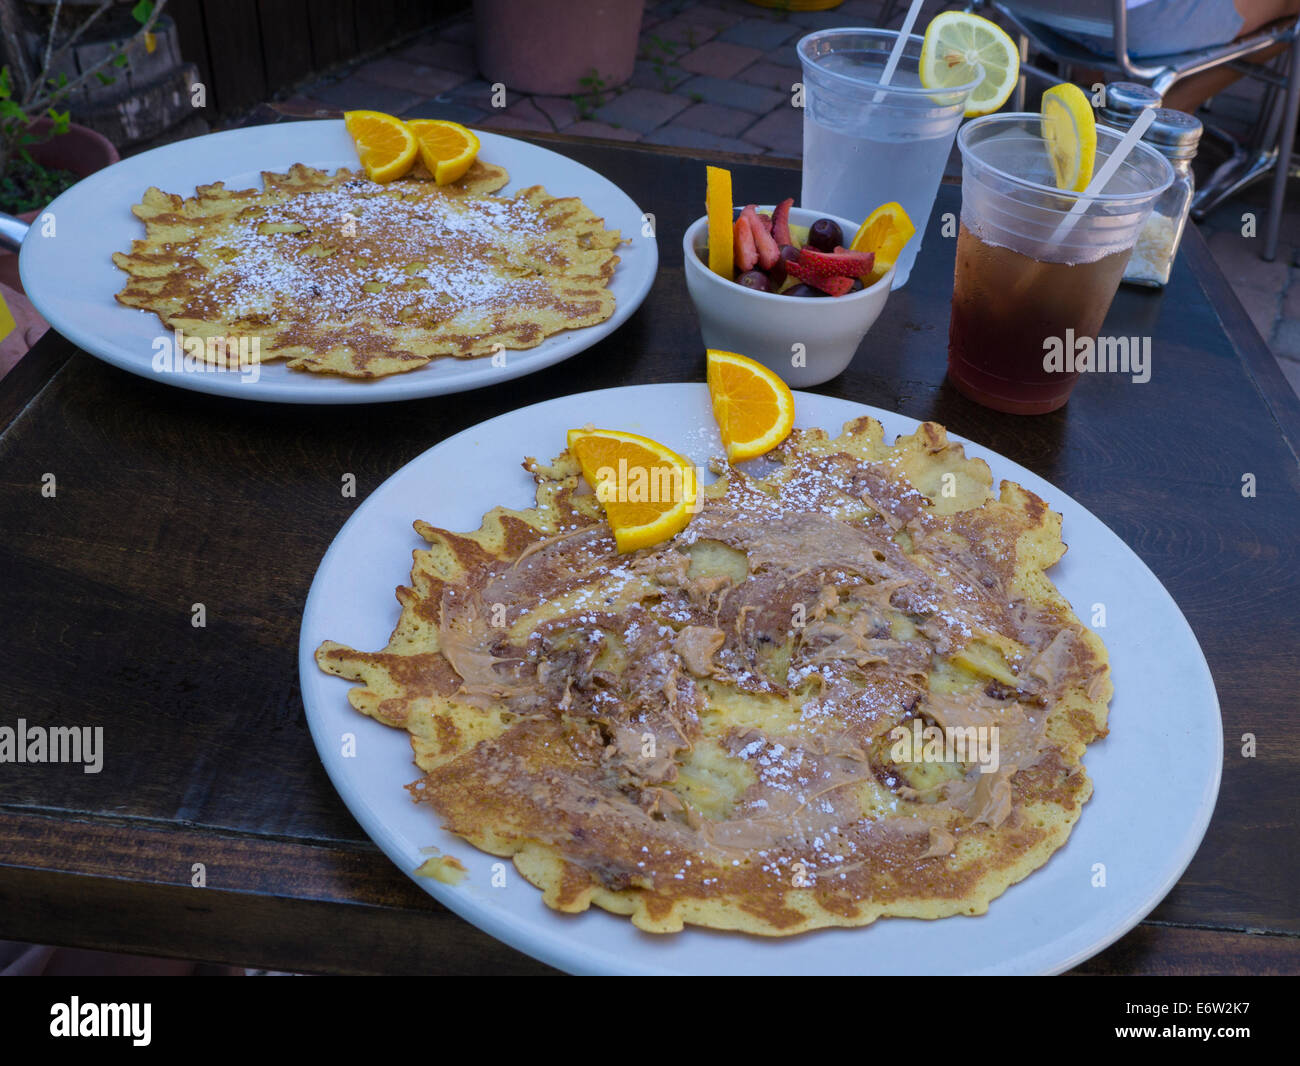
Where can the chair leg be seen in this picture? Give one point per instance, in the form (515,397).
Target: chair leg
(1283,165)
(1230,178)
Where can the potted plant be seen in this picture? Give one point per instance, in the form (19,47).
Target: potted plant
(42,152)
(557,47)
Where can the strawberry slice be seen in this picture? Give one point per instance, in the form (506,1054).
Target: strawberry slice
(745,253)
(834,284)
(841,264)
(781,222)
(768,251)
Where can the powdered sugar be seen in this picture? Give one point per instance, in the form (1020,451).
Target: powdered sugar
(382,251)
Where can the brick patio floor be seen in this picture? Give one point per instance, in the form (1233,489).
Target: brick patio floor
(716,75)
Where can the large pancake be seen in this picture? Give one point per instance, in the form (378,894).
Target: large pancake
(342,275)
(703,731)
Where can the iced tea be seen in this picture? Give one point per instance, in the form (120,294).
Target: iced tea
(1037,265)
(1005,305)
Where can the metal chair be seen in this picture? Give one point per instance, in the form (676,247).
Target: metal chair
(1270,144)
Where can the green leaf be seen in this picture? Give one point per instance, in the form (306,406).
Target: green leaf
(6,87)
(10,109)
(120,60)
(142,11)
(61,120)
(104,79)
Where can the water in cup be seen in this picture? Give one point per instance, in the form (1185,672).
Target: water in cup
(855,160)
(867,144)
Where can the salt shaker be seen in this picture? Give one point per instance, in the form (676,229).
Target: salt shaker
(1175,134)
(1123,101)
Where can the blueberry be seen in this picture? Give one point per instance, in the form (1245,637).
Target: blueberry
(824,235)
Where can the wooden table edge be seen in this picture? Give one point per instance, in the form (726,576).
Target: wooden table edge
(352,886)
(33,372)
(777,162)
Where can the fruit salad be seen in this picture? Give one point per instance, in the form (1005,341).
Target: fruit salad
(764,251)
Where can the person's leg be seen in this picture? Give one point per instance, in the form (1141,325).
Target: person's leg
(1256,14)
(1190,93)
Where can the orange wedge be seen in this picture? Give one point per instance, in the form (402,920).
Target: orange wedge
(447,149)
(885,232)
(649,492)
(385,146)
(753,406)
(717,203)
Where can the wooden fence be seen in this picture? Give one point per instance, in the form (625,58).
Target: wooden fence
(247,50)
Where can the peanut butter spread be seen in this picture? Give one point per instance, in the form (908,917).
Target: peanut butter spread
(708,730)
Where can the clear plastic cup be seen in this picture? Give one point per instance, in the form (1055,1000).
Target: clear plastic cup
(865,144)
(1025,296)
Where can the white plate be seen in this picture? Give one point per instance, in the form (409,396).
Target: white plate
(71,279)
(1156,775)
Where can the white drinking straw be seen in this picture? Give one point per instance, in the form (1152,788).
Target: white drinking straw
(1145,117)
(896,54)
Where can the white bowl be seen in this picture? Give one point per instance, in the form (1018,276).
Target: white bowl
(807,340)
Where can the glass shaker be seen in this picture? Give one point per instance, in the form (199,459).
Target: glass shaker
(1175,134)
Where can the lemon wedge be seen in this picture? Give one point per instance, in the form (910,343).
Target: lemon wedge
(956,45)
(1071,135)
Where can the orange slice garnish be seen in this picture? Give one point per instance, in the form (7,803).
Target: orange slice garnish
(885,232)
(717,204)
(753,406)
(386,148)
(649,492)
(447,149)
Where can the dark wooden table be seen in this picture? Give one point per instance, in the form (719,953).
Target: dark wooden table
(166,498)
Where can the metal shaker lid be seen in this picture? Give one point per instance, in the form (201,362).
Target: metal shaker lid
(1123,100)
(1174,134)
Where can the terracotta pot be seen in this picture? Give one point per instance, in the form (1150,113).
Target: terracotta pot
(549,46)
(80,150)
